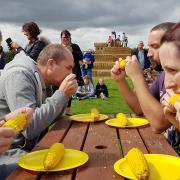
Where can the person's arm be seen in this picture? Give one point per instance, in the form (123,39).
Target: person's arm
(6,138)
(6,133)
(151,107)
(37,48)
(34,53)
(20,92)
(24,110)
(126,92)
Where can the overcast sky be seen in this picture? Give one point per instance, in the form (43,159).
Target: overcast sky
(88,21)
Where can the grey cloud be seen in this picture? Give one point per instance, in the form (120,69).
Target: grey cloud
(87,13)
(135,18)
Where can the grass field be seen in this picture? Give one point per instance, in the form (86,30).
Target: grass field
(112,105)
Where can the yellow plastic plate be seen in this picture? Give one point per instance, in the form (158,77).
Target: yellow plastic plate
(162,167)
(72,158)
(87,118)
(132,122)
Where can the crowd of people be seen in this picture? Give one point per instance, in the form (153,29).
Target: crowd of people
(26,86)
(114,40)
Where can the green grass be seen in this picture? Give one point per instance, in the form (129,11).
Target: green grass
(114,104)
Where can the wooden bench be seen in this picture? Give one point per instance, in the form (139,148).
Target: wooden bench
(104,145)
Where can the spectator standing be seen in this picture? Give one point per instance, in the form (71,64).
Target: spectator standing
(34,47)
(110,41)
(118,40)
(124,40)
(87,65)
(141,55)
(113,34)
(77,55)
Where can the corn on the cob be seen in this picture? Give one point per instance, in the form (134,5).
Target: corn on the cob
(122,64)
(122,119)
(173,99)
(95,114)
(54,155)
(138,163)
(18,123)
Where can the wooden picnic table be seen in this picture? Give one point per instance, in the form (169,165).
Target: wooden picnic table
(104,145)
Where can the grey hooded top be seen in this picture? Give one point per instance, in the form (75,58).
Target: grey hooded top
(22,85)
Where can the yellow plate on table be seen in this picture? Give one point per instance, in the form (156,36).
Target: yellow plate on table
(132,122)
(162,167)
(87,118)
(72,159)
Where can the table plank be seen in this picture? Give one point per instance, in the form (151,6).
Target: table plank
(156,143)
(100,164)
(57,133)
(73,140)
(130,138)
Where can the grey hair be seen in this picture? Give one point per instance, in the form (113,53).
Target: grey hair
(52,51)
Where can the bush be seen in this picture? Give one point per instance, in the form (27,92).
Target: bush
(9,56)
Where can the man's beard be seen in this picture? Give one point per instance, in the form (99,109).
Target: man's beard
(156,66)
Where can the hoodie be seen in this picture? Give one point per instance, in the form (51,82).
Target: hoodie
(21,85)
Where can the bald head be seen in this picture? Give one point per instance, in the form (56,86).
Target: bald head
(52,51)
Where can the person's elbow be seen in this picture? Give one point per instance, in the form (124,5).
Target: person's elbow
(137,110)
(156,130)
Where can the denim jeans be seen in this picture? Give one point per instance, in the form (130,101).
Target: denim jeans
(6,169)
(8,161)
(87,72)
(87,96)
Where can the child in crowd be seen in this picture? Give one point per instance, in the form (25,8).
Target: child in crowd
(86,91)
(87,58)
(87,65)
(101,89)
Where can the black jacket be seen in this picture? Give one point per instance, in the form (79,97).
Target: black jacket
(2,58)
(101,89)
(146,60)
(78,56)
(33,49)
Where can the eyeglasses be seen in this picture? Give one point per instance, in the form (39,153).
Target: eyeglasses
(65,37)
